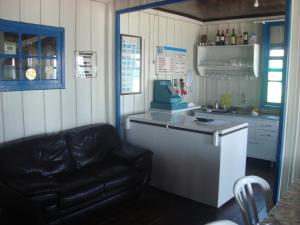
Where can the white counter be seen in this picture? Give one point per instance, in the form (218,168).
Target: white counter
(199,161)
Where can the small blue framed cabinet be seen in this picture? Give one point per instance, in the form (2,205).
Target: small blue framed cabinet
(31,56)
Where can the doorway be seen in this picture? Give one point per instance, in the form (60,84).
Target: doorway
(162,5)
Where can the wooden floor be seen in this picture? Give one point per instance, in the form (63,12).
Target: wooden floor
(158,207)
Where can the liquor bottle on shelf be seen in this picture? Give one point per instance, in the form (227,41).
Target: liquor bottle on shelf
(245,38)
(239,40)
(218,38)
(226,40)
(233,38)
(253,38)
(222,38)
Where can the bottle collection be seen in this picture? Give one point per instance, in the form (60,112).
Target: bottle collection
(230,39)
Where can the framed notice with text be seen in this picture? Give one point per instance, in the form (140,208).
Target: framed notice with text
(86,64)
(131,61)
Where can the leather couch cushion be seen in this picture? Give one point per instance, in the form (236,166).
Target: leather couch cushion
(92,181)
(113,174)
(77,187)
(43,155)
(92,144)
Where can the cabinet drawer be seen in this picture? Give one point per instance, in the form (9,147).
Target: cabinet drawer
(266,135)
(262,149)
(267,125)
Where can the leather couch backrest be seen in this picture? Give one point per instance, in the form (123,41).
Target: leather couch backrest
(92,144)
(45,155)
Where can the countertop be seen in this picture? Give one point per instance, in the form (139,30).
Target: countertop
(260,116)
(187,122)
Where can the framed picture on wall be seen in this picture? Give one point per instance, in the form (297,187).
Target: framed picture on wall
(131,64)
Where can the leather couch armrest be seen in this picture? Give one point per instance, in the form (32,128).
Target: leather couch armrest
(22,206)
(138,157)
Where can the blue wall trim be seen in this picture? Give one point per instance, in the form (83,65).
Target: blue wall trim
(284,100)
(118,50)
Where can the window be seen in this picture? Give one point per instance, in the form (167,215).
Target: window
(31,56)
(273,65)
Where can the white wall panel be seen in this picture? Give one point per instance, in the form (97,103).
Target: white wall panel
(83,43)
(157,29)
(151,75)
(52,101)
(291,145)
(124,27)
(145,33)
(33,101)
(68,95)
(9,10)
(98,44)
(35,112)
(133,29)
(13,115)
(2,134)
(12,124)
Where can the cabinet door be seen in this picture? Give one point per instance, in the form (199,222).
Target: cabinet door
(267,125)
(262,149)
(267,135)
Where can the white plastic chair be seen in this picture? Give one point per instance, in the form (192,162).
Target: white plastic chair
(244,195)
(222,222)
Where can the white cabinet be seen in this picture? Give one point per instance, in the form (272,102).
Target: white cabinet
(228,60)
(262,134)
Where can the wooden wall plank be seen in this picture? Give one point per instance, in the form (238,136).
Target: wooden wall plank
(145,33)
(2,134)
(170,32)
(123,30)
(68,95)
(9,10)
(11,115)
(162,30)
(98,45)
(133,29)
(52,99)
(194,39)
(152,75)
(33,101)
(83,43)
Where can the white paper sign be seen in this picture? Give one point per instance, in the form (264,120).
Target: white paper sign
(165,64)
(86,66)
(171,61)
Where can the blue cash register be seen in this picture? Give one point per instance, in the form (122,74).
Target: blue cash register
(165,97)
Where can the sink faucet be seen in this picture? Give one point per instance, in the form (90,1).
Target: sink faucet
(243,98)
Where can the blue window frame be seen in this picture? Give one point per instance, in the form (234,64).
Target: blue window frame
(273,71)
(31,56)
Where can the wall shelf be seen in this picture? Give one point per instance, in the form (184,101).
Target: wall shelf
(243,58)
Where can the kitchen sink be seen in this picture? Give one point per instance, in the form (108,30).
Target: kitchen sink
(239,111)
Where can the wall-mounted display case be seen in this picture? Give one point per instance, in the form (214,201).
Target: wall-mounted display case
(31,56)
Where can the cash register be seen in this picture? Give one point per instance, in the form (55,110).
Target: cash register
(165,96)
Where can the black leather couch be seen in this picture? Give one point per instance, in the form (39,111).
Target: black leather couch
(53,179)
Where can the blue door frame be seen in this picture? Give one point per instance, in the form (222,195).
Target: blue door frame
(283,106)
